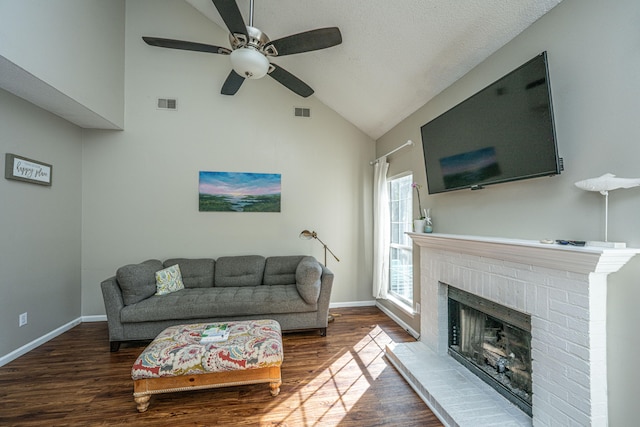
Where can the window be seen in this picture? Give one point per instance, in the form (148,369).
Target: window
(400,248)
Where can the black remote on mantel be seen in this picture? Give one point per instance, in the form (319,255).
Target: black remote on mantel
(571,242)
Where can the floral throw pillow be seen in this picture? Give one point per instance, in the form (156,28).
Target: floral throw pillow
(169,280)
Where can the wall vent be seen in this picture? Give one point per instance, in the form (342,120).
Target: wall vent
(167,104)
(302,112)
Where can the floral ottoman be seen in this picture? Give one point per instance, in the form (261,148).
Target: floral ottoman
(177,361)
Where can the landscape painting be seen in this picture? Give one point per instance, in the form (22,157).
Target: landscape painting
(239,192)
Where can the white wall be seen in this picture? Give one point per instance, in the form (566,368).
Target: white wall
(73,46)
(140,197)
(40,243)
(594,60)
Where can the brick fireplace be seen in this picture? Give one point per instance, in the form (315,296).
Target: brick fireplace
(562,288)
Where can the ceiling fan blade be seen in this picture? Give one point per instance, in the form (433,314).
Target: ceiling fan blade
(232,84)
(320,38)
(290,81)
(230,14)
(184,45)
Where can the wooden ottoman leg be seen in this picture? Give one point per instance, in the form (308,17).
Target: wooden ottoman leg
(274,372)
(275,388)
(142,402)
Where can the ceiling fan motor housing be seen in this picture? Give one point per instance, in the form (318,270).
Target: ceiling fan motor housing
(254,38)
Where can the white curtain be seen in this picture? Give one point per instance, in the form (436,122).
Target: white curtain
(381,231)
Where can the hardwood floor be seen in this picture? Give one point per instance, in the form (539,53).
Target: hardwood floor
(342,379)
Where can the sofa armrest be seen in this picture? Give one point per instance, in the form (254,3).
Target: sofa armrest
(113,304)
(324,299)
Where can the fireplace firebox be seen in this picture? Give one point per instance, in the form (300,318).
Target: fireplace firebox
(493,342)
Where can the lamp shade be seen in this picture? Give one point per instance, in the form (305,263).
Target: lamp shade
(306,234)
(249,63)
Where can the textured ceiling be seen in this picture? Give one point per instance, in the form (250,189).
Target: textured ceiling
(395,55)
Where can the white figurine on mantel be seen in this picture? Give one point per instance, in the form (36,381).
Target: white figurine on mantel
(607,182)
(604,184)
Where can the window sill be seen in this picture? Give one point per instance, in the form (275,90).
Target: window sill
(407,309)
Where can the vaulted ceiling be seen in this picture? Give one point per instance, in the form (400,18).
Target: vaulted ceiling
(395,55)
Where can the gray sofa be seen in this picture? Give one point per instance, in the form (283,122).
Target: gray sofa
(294,290)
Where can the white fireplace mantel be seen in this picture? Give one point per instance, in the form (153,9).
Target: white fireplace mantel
(562,287)
(577,259)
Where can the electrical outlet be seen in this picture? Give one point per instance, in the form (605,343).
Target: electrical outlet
(417,307)
(22,320)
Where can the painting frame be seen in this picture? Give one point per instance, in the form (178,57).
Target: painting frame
(239,192)
(20,168)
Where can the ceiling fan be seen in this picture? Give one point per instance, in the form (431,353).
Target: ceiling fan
(251,49)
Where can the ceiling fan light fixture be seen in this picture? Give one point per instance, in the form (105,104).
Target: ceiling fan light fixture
(249,63)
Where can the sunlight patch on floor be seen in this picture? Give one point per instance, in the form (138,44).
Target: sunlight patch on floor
(326,398)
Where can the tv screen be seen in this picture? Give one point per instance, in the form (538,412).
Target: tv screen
(503,133)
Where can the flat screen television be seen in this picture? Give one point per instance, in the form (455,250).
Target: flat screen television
(503,133)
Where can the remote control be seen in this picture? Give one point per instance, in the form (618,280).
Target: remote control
(571,242)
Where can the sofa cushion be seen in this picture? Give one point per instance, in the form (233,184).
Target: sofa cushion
(169,280)
(138,281)
(281,270)
(244,270)
(203,303)
(196,273)
(308,275)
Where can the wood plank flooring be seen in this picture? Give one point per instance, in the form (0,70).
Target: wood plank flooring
(342,379)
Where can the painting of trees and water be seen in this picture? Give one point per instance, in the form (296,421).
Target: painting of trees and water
(239,192)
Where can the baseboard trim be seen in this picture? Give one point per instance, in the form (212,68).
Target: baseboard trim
(352,304)
(38,342)
(399,321)
(95,318)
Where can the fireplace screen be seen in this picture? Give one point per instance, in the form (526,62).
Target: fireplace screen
(494,342)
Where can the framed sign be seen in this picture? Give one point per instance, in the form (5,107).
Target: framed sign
(27,170)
